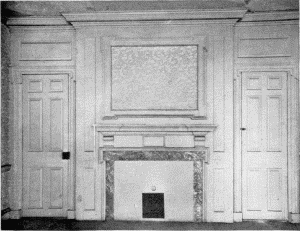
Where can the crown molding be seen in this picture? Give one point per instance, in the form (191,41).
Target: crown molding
(154,15)
(271,16)
(37,21)
(88,25)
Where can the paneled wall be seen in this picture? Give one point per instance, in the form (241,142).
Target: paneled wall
(104,57)
(5,119)
(270,48)
(42,52)
(98,100)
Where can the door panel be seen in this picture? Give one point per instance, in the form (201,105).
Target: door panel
(45,137)
(264,145)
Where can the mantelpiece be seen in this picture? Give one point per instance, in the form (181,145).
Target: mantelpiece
(162,146)
(167,136)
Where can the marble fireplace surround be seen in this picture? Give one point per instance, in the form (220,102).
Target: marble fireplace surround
(109,152)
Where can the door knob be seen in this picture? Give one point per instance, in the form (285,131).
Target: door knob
(66,155)
(243,129)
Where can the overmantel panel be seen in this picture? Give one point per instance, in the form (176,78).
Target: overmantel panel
(151,37)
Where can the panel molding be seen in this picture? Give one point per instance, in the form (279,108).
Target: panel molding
(198,113)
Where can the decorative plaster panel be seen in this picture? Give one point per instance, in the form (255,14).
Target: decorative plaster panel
(154,78)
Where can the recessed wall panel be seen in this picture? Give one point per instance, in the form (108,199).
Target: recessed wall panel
(263,47)
(219,181)
(89,186)
(45,51)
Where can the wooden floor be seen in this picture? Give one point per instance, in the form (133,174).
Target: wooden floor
(62,224)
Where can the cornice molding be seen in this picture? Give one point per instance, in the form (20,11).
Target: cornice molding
(270,16)
(87,25)
(37,21)
(154,15)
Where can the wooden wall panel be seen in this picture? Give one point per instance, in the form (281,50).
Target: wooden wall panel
(89,176)
(89,92)
(219,196)
(219,96)
(45,51)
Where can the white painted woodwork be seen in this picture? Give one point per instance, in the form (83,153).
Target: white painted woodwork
(264,149)
(45,137)
(39,45)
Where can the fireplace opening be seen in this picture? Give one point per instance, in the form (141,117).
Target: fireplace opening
(153,205)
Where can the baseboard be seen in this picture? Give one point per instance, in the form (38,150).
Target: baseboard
(15,214)
(237,217)
(294,217)
(71,214)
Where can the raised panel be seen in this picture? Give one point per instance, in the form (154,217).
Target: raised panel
(219,95)
(255,193)
(274,83)
(45,51)
(219,180)
(35,188)
(153,141)
(154,78)
(89,92)
(128,141)
(35,124)
(274,190)
(274,119)
(56,85)
(179,141)
(89,180)
(253,123)
(56,124)
(56,188)
(264,47)
(254,83)
(35,85)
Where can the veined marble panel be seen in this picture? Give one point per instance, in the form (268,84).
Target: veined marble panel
(154,78)
(110,156)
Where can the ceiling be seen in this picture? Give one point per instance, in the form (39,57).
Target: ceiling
(55,8)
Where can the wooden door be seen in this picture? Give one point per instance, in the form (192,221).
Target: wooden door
(45,137)
(264,145)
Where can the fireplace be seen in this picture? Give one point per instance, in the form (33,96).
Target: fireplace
(147,177)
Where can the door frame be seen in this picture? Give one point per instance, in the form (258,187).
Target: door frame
(16,188)
(292,139)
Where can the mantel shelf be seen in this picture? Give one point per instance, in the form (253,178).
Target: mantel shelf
(115,128)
